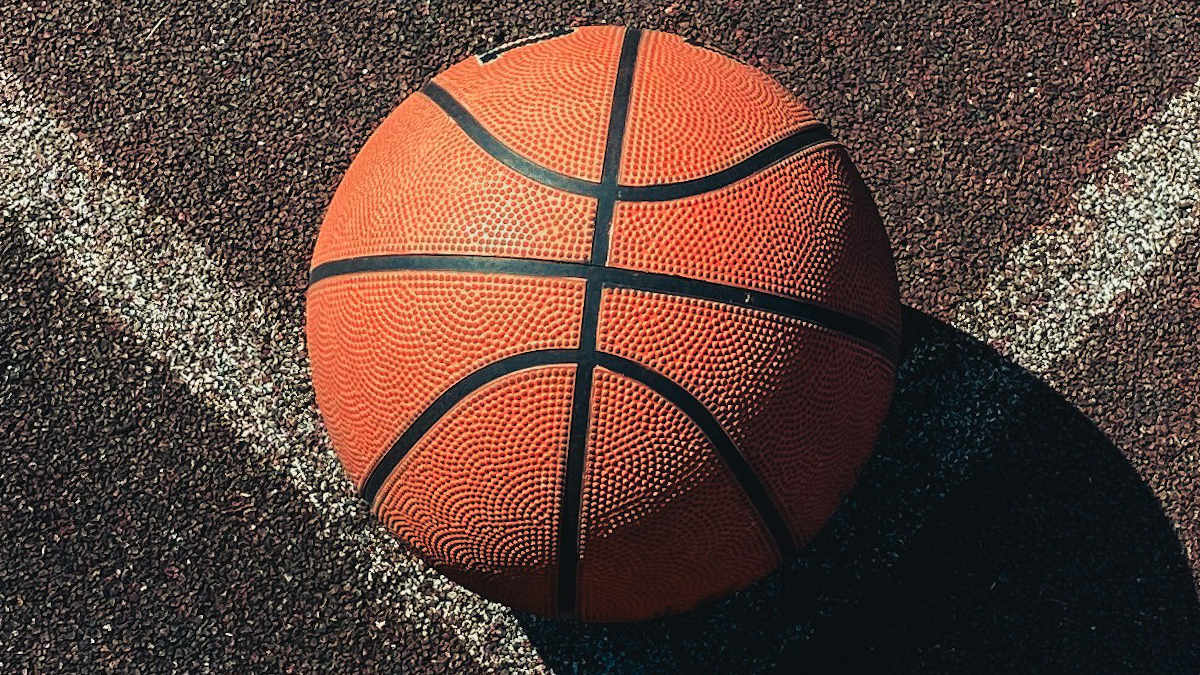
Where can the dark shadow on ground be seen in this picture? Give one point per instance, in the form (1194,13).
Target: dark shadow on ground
(995,530)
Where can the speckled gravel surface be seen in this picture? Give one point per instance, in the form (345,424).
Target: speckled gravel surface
(169,501)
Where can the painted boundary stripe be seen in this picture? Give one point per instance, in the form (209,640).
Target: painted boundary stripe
(809,136)
(737,463)
(862,331)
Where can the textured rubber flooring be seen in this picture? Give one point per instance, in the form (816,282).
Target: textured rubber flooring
(169,500)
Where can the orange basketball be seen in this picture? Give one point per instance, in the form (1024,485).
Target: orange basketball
(603,324)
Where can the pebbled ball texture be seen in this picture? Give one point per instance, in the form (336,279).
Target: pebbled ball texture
(655,485)
(528,418)
(694,112)
(519,96)
(454,199)
(383,346)
(801,404)
(479,494)
(804,228)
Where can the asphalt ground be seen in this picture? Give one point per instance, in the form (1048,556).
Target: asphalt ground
(170,503)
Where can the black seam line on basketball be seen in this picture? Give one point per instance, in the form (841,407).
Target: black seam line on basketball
(610,171)
(802,139)
(501,152)
(862,331)
(807,137)
(739,466)
(570,508)
(673,393)
(447,400)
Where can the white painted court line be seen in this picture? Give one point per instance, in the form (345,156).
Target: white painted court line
(180,305)
(1128,220)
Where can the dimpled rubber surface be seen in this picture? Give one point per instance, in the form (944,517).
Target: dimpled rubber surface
(384,345)
(549,100)
(805,227)
(662,522)
(662,518)
(803,405)
(479,495)
(693,112)
(420,185)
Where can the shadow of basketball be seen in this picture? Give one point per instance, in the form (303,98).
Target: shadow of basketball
(995,530)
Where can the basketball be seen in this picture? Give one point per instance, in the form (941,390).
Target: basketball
(603,324)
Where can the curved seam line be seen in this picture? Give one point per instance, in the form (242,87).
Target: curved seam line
(445,402)
(811,136)
(757,492)
(751,485)
(878,339)
(500,151)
